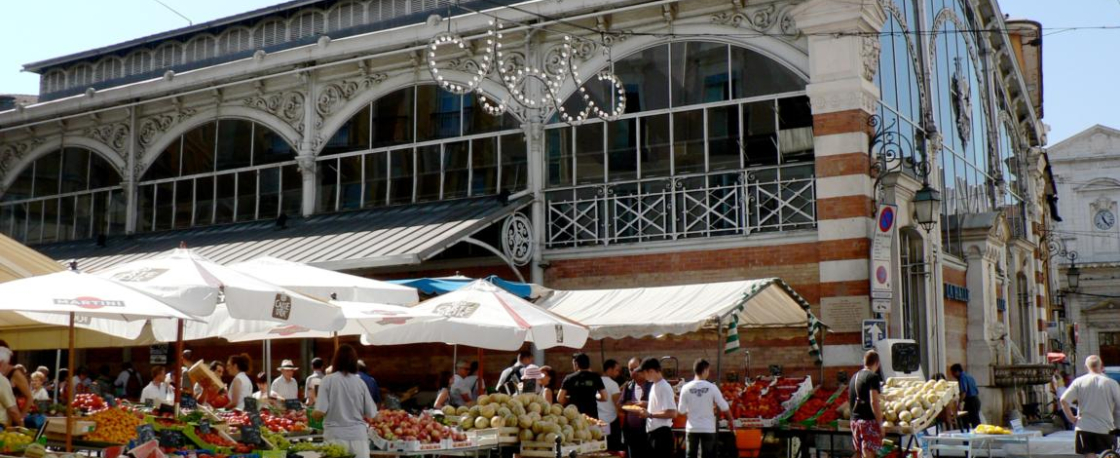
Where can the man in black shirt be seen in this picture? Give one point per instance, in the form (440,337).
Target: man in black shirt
(635,393)
(867,409)
(581,387)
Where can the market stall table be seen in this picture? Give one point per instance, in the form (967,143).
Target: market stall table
(987,445)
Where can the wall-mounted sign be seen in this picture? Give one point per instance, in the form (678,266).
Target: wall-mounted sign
(882,275)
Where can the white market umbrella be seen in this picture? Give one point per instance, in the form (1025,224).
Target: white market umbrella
(319,282)
(361,318)
(81,297)
(485,316)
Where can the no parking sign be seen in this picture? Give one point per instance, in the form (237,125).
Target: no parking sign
(881,273)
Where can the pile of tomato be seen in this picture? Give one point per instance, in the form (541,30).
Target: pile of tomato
(813,406)
(832,413)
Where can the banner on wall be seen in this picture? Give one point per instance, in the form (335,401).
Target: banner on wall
(882,243)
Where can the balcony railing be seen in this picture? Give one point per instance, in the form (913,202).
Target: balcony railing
(693,206)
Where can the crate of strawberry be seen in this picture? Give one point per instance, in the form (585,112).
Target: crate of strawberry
(811,407)
(838,409)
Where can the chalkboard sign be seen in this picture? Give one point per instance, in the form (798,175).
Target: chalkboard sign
(145,433)
(204,426)
(255,419)
(251,435)
(171,438)
(166,409)
(110,400)
(149,403)
(187,401)
(251,405)
(293,404)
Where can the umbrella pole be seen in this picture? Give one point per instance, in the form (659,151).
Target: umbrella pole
(179,366)
(719,353)
(336,342)
(70,392)
(57,369)
(481,385)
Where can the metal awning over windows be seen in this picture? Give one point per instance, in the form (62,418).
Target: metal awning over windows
(351,240)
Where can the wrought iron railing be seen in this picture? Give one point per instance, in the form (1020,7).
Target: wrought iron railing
(694,206)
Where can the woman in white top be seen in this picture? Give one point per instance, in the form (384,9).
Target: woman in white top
(344,403)
(156,391)
(241,387)
(264,396)
(444,394)
(38,392)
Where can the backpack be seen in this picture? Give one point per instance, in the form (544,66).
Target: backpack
(134,386)
(509,385)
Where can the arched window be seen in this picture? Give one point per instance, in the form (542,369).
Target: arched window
(270,32)
(81,75)
(235,40)
(224,171)
(420,144)
(138,62)
(168,55)
(70,193)
(900,84)
(698,114)
(345,15)
(307,24)
(201,47)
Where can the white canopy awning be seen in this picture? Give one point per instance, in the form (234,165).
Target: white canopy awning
(640,312)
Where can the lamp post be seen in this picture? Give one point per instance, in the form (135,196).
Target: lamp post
(1073,275)
(927,204)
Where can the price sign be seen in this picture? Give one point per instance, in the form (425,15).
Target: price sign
(255,419)
(187,401)
(293,404)
(251,405)
(251,435)
(145,433)
(171,438)
(166,409)
(110,400)
(149,403)
(204,426)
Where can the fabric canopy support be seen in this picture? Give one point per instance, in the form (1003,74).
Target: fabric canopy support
(444,285)
(642,312)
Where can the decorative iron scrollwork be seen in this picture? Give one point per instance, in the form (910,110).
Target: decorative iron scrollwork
(891,152)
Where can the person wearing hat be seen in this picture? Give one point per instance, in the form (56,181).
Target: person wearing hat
(286,386)
(531,376)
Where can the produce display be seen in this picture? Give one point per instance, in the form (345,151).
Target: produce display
(216,439)
(89,402)
(816,403)
(910,403)
(234,418)
(326,450)
(15,439)
(990,429)
(765,399)
(400,425)
(537,420)
(115,426)
(839,409)
(287,422)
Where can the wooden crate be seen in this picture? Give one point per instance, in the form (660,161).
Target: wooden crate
(546,450)
(508,435)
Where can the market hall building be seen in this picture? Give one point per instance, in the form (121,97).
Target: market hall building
(749,147)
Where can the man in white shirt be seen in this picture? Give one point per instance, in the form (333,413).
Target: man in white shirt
(661,411)
(1098,409)
(699,400)
(311,387)
(608,408)
(285,386)
(10,414)
(156,391)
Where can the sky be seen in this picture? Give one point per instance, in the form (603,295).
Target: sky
(1079,66)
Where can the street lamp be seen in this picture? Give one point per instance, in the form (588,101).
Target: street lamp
(927,204)
(1073,276)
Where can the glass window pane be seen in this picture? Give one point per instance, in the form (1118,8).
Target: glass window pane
(600,92)
(75,170)
(484,166)
(515,163)
(83,215)
(590,160)
(118,209)
(723,138)
(46,174)
(145,201)
(401,174)
(559,144)
(795,124)
(753,74)
(656,156)
(102,174)
(227,194)
(51,212)
(622,150)
(247,196)
(204,201)
(438,113)
(165,206)
(269,147)
(761,140)
(65,220)
(688,142)
(167,164)
(646,78)
(456,170)
(392,119)
(269,206)
(377,179)
(699,71)
(7,217)
(184,203)
(99,218)
(350,181)
(291,202)
(352,136)
(328,185)
(478,121)
(198,149)
(34,221)
(428,167)
(21,188)
(235,139)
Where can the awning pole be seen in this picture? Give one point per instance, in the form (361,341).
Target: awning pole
(178,367)
(57,368)
(70,389)
(719,352)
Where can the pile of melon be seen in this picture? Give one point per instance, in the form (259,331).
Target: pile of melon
(538,420)
(909,403)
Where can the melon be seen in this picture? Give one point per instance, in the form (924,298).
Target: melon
(905,416)
(497,422)
(481,423)
(448,410)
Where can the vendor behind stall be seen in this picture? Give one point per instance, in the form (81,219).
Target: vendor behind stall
(9,409)
(970,393)
(241,387)
(285,386)
(157,390)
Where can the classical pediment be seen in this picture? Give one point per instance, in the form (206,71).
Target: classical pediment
(1099,184)
(1095,141)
